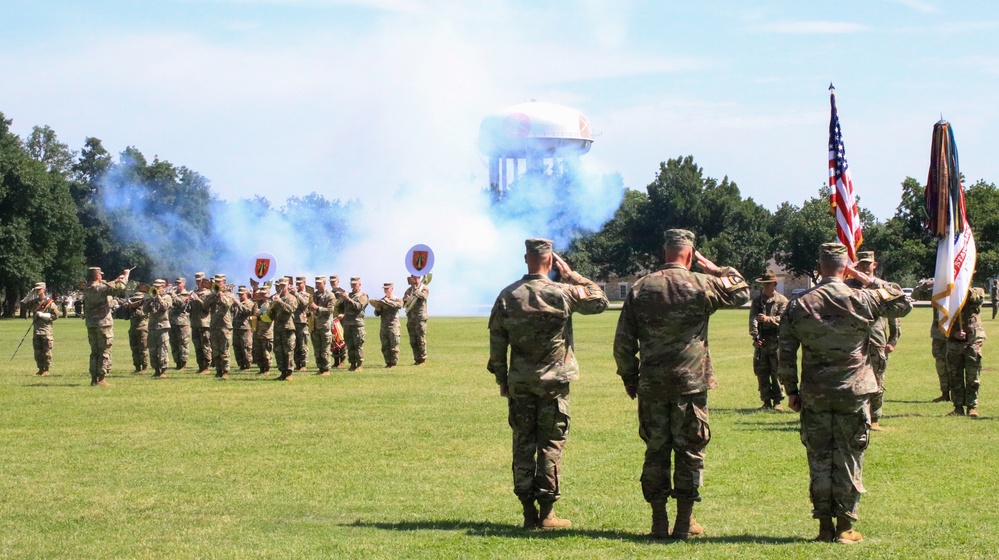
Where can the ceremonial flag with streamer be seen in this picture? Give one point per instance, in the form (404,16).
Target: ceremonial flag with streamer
(841,199)
(956,252)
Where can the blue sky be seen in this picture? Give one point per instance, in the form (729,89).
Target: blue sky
(358,99)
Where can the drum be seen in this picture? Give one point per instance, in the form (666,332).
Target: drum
(338,341)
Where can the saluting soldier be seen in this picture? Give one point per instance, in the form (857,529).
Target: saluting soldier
(832,323)
(180,323)
(157,307)
(100,325)
(201,320)
(415,302)
(242,340)
(44,314)
(884,334)
(352,306)
(301,319)
(282,309)
(531,321)
(764,326)
(138,332)
(220,303)
(263,332)
(321,307)
(388,309)
(661,350)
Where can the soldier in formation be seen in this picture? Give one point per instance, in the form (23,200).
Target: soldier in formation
(388,309)
(138,332)
(220,303)
(832,324)
(764,325)
(531,322)
(321,307)
(938,341)
(180,323)
(339,351)
(263,332)
(200,322)
(44,312)
(885,333)
(661,350)
(242,338)
(281,310)
(415,302)
(157,307)
(100,326)
(352,306)
(301,320)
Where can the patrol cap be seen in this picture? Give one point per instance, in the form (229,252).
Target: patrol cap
(767,278)
(93,271)
(243,290)
(388,285)
(262,291)
(159,282)
(355,279)
(832,252)
(678,238)
(334,278)
(299,279)
(219,277)
(199,276)
(138,295)
(865,256)
(39,285)
(320,279)
(180,280)
(281,282)
(538,246)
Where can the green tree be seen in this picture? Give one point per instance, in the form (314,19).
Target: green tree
(798,232)
(982,203)
(43,145)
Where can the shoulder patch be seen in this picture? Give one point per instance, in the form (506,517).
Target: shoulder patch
(581,292)
(884,294)
(731,281)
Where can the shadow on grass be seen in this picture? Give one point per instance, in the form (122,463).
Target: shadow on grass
(488,529)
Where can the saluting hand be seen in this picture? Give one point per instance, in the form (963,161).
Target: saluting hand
(705,264)
(562,266)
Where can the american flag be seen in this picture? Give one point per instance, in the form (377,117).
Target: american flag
(842,200)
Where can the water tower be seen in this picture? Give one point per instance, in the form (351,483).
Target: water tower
(531,138)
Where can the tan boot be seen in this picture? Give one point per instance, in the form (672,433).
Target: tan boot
(45,373)
(845,533)
(778,408)
(660,520)
(685,526)
(548,519)
(531,519)
(876,427)
(827,531)
(972,411)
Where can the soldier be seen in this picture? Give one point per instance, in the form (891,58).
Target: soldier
(220,304)
(263,332)
(664,321)
(352,308)
(532,320)
(884,335)
(242,340)
(832,323)
(301,320)
(282,307)
(138,332)
(388,309)
(339,351)
(321,307)
(938,341)
(157,307)
(180,323)
(100,325)
(764,325)
(415,302)
(200,323)
(44,314)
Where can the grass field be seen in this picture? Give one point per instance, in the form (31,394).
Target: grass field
(415,462)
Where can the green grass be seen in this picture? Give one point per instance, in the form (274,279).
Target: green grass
(414,462)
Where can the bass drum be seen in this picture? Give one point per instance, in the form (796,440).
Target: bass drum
(338,342)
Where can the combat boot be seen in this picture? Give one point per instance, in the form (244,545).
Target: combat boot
(45,373)
(685,526)
(827,531)
(876,427)
(766,405)
(972,411)
(548,519)
(359,367)
(944,397)
(660,520)
(958,411)
(531,518)
(778,407)
(845,533)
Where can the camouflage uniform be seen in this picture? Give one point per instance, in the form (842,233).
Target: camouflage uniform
(220,304)
(242,340)
(180,328)
(765,355)
(832,323)
(157,308)
(964,352)
(138,336)
(389,329)
(885,331)
(532,320)
(42,339)
(100,326)
(322,325)
(339,354)
(938,340)
(200,322)
(664,321)
(281,310)
(301,321)
(352,305)
(263,338)
(415,302)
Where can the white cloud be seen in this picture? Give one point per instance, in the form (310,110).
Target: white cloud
(814,27)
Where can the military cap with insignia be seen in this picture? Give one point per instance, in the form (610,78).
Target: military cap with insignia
(299,279)
(320,278)
(199,275)
(865,256)
(538,246)
(39,285)
(355,279)
(832,252)
(678,238)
